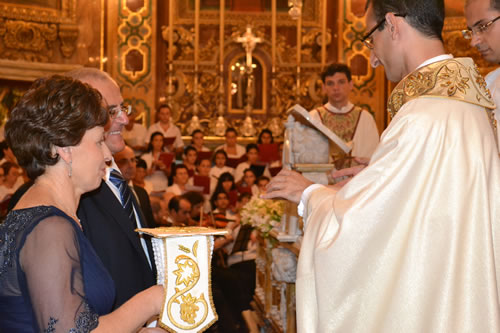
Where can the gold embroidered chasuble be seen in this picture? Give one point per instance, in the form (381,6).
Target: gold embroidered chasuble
(456,78)
(412,243)
(342,124)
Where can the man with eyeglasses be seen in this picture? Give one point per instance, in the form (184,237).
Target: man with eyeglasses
(108,221)
(412,242)
(483,31)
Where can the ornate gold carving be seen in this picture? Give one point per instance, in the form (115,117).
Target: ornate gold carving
(183,42)
(270,112)
(457,78)
(65,12)
(311,44)
(27,40)
(311,14)
(29,31)
(68,34)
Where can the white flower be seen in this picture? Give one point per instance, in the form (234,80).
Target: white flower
(262,214)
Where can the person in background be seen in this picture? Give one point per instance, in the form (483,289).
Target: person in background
(203,167)
(12,180)
(165,126)
(351,123)
(243,199)
(179,212)
(197,215)
(252,160)
(51,278)
(198,140)
(126,162)
(225,183)
(181,178)
(262,182)
(189,159)
(232,149)
(219,158)
(221,211)
(6,153)
(141,171)
(160,211)
(483,31)
(265,137)
(135,134)
(248,183)
(158,172)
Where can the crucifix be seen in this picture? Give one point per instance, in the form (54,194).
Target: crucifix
(249,41)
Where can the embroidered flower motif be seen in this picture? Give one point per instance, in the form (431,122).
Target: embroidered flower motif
(419,83)
(453,80)
(395,102)
(185,273)
(188,308)
(482,84)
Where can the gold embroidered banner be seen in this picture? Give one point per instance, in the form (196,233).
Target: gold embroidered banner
(183,259)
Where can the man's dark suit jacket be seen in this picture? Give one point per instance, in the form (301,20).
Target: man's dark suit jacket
(110,231)
(143,196)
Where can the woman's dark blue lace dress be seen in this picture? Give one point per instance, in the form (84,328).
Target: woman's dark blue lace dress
(51,280)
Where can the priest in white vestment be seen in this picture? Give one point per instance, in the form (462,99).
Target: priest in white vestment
(348,121)
(412,242)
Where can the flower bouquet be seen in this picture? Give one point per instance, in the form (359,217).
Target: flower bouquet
(262,214)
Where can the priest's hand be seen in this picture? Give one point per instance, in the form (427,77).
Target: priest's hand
(287,185)
(348,173)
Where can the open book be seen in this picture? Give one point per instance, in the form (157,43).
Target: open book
(302,115)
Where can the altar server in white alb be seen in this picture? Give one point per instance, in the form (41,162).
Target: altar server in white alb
(350,122)
(483,31)
(412,242)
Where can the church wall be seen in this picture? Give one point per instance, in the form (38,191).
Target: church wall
(41,38)
(132,44)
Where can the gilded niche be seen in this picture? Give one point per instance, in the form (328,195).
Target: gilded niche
(32,31)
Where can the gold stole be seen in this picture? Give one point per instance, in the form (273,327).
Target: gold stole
(343,125)
(456,78)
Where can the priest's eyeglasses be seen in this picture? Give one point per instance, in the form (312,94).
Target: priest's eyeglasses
(368,38)
(116,111)
(478,28)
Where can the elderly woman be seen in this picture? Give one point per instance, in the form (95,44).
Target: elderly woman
(51,278)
